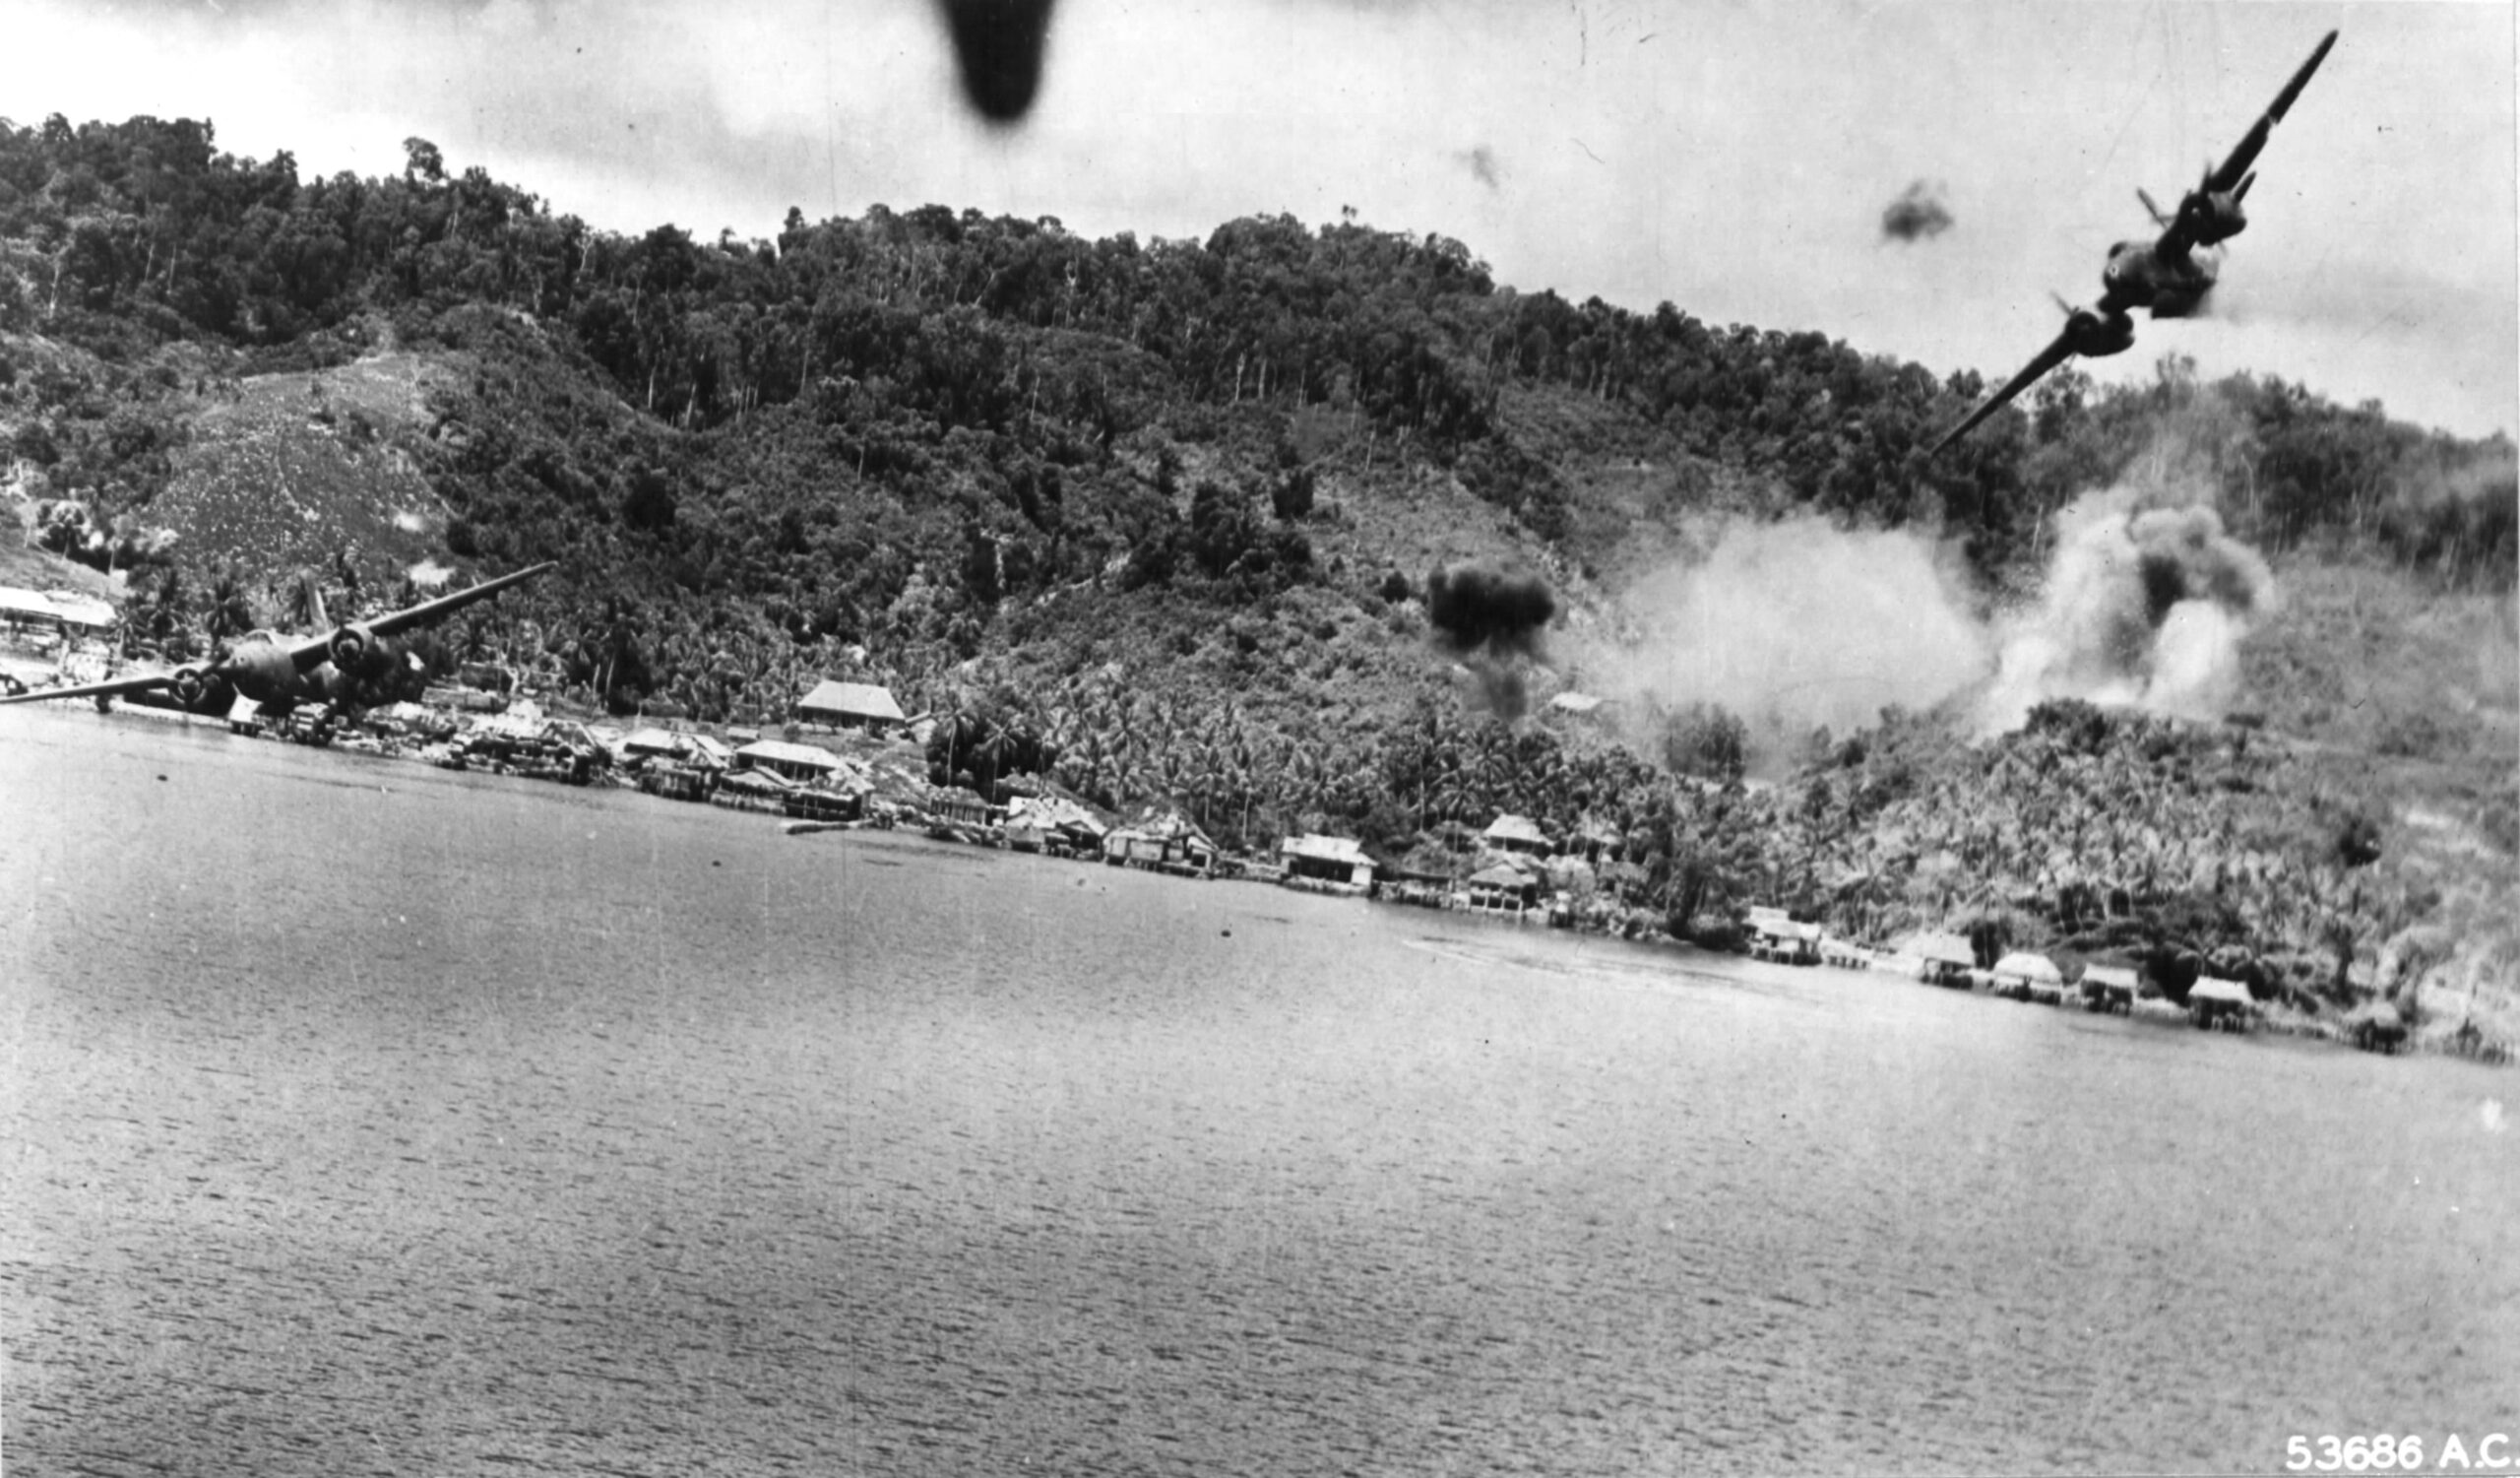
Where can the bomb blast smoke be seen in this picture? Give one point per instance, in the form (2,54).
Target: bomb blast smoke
(1491,618)
(1792,626)
(2146,603)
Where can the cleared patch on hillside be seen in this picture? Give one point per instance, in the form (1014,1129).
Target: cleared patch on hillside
(2362,658)
(299,469)
(29,568)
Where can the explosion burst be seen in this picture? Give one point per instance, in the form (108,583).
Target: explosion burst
(1491,618)
(2145,607)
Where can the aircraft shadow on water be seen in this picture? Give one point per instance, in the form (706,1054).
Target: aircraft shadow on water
(273,672)
(2168,276)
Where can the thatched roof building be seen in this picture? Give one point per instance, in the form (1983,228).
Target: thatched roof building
(1943,958)
(2214,988)
(849,705)
(1502,888)
(804,762)
(1517,834)
(1944,949)
(2110,988)
(1334,859)
(2035,968)
(54,608)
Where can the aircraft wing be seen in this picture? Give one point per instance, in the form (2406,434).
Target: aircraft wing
(138,683)
(2236,168)
(2049,358)
(315,649)
(2232,174)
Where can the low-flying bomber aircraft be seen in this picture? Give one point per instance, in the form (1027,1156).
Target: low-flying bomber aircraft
(2163,276)
(270,670)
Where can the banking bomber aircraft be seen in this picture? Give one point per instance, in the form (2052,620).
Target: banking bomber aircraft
(2165,275)
(270,671)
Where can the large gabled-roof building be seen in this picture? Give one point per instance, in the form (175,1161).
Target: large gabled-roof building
(849,705)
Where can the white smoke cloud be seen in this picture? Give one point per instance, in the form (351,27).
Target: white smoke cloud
(2146,602)
(1794,625)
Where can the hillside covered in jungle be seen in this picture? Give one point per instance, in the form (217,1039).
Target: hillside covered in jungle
(2194,671)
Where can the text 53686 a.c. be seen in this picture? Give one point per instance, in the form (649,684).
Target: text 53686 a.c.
(2382,1453)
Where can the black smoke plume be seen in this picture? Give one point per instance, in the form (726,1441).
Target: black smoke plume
(1917,214)
(1491,618)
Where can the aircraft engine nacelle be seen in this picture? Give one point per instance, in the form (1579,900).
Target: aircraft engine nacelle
(2213,217)
(350,646)
(190,685)
(2096,335)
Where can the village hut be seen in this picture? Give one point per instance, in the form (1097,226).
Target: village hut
(849,705)
(1773,935)
(1596,840)
(955,814)
(1500,889)
(1052,824)
(753,789)
(675,746)
(806,764)
(1944,959)
(1325,865)
(2108,987)
(1518,835)
(1166,843)
(2024,975)
(1624,880)
(838,797)
(1415,886)
(2375,1026)
(1187,850)
(55,613)
(652,743)
(2217,1002)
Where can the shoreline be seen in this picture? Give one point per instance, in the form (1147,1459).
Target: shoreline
(2431,1038)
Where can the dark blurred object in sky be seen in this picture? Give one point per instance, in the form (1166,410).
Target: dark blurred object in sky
(998,44)
(1917,214)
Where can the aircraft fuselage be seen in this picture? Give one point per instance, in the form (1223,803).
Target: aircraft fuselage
(2140,274)
(258,666)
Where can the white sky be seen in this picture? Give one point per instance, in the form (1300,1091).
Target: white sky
(1732,158)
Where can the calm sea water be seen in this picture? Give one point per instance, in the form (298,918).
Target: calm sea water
(363,1117)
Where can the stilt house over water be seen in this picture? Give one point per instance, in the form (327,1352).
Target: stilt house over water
(804,763)
(1329,865)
